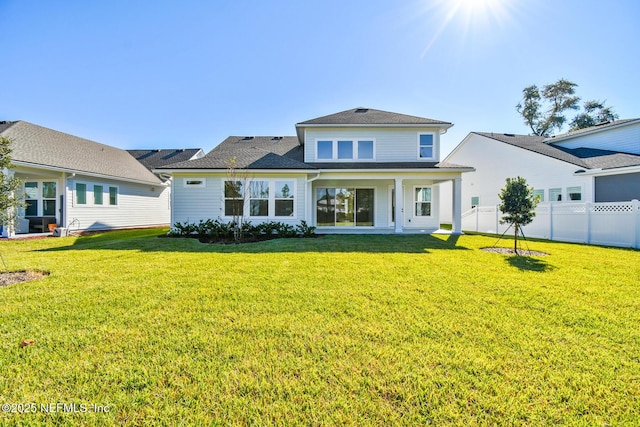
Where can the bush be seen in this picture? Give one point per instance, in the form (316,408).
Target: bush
(216,231)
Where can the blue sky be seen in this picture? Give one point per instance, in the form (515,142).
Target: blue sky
(169,74)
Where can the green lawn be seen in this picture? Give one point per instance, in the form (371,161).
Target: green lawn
(356,330)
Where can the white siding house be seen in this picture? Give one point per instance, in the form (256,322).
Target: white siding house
(597,164)
(81,185)
(357,171)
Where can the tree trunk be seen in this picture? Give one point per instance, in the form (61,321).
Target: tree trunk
(515,240)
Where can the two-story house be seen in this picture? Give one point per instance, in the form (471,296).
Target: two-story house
(360,170)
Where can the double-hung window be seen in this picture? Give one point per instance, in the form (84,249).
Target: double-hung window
(283,198)
(113,196)
(97,194)
(423,201)
(259,198)
(425,146)
(81,193)
(233,198)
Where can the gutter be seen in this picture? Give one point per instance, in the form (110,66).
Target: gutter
(613,171)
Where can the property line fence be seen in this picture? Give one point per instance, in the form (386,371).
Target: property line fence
(610,224)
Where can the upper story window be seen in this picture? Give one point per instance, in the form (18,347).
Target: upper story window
(345,149)
(325,149)
(425,146)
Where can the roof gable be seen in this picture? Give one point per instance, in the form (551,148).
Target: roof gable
(42,146)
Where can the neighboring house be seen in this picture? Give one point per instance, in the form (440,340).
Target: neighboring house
(81,184)
(360,170)
(597,164)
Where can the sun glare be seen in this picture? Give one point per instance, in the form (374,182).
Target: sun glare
(468,16)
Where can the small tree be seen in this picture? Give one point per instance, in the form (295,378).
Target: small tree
(518,204)
(10,202)
(236,189)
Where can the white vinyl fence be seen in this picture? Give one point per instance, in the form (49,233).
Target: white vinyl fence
(611,224)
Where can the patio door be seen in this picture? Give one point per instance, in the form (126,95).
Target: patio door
(345,207)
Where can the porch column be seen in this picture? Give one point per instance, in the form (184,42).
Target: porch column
(308,203)
(399,214)
(456,208)
(8,230)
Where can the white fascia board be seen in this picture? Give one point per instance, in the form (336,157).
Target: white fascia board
(603,172)
(79,172)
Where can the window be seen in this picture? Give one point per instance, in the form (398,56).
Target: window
(81,193)
(425,145)
(345,149)
(97,194)
(344,207)
(574,193)
(266,198)
(233,198)
(325,149)
(475,201)
(40,198)
(365,150)
(49,198)
(284,198)
(194,183)
(259,198)
(539,194)
(113,196)
(555,194)
(423,201)
(31,198)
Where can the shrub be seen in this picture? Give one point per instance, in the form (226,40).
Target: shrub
(216,231)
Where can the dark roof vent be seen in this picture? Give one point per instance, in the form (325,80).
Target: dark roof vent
(602,123)
(276,138)
(362,110)
(509,134)
(247,138)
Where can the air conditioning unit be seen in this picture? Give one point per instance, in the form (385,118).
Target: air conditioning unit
(60,232)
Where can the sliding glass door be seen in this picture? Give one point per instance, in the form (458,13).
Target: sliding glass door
(344,207)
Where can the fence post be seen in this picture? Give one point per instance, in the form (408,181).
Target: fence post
(635,207)
(550,220)
(587,212)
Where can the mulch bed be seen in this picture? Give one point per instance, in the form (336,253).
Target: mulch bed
(14,277)
(509,251)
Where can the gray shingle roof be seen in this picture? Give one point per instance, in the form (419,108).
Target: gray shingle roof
(369,116)
(162,157)
(587,158)
(41,146)
(260,152)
